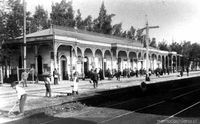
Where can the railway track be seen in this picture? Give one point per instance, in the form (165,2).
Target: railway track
(158,104)
(173,94)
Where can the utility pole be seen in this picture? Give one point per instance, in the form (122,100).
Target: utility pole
(147,27)
(147,46)
(24,33)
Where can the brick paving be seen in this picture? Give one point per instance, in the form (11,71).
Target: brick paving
(36,101)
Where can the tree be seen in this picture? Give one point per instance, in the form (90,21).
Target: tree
(194,55)
(39,20)
(87,23)
(79,21)
(2,35)
(117,29)
(14,26)
(153,43)
(139,35)
(102,24)
(195,51)
(15,19)
(124,34)
(163,46)
(2,28)
(131,33)
(186,48)
(176,47)
(63,14)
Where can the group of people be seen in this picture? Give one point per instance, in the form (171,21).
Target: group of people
(22,95)
(94,76)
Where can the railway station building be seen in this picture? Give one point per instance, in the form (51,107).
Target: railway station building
(69,50)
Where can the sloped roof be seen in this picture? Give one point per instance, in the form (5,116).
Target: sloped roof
(96,37)
(41,33)
(83,35)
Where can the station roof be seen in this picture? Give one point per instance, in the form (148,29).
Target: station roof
(81,35)
(47,35)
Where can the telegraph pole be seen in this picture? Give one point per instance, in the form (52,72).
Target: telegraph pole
(24,33)
(147,42)
(147,46)
(147,27)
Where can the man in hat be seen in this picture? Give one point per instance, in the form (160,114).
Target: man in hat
(21,95)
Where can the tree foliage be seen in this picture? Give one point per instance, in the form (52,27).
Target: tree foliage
(163,46)
(194,51)
(102,24)
(78,19)
(39,20)
(131,33)
(2,28)
(124,34)
(87,23)
(63,14)
(117,29)
(153,43)
(190,52)
(14,26)
(139,35)
(177,47)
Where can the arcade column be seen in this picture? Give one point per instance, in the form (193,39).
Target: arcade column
(36,57)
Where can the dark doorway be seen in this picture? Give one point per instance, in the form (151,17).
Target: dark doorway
(64,73)
(86,67)
(20,62)
(39,60)
(64,68)
(163,61)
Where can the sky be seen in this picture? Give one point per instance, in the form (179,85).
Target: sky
(178,20)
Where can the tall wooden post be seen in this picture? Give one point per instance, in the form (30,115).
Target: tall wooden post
(24,33)
(147,46)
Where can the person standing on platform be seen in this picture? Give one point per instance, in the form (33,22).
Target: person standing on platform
(55,75)
(187,69)
(21,95)
(24,77)
(75,84)
(101,74)
(181,72)
(95,78)
(136,72)
(47,83)
(118,74)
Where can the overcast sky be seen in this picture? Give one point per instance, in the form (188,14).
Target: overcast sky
(178,19)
